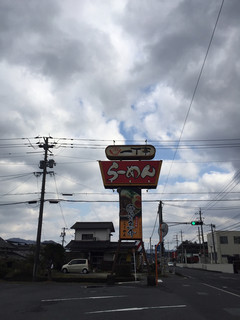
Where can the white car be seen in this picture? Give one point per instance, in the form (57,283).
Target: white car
(76,266)
(170,264)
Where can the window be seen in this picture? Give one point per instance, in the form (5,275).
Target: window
(87,236)
(224,240)
(236,240)
(82,261)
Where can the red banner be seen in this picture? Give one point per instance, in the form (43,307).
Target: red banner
(142,174)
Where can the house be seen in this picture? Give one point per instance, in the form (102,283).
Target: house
(6,249)
(190,252)
(93,242)
(93,231)
(9,251)
(227,246)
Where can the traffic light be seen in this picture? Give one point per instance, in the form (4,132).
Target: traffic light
(196,223)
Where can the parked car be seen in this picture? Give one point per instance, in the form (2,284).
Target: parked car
(170,264)
(76,266)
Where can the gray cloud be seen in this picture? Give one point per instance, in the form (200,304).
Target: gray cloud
(117,71)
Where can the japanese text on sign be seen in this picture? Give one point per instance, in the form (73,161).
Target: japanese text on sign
(127,152)
(131,171)
(130,213)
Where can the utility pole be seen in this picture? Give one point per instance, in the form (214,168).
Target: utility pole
(182,245)
(177,240)
(63,234)
(150,242)
(160,234)
(43,165)
(213,240)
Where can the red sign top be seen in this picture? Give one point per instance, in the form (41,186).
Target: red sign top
(142,174)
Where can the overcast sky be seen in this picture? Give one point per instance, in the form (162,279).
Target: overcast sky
(163,72)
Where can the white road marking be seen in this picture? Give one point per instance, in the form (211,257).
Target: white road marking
(137,309)
(82,298)
(202,293)
(126,282)
(219,289)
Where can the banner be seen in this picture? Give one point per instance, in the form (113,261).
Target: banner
(130,214)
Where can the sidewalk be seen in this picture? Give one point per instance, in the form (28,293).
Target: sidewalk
(98,277)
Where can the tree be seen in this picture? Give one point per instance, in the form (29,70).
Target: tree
(53,255)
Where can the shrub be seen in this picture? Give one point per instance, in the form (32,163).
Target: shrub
(19,270)
(123,270)
(3,269)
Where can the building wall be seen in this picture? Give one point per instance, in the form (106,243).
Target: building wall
(97,234)
(225,251)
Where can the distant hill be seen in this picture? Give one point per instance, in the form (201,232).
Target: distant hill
(23,241)
(49,241)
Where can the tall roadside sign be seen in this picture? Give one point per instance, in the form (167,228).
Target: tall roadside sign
(130,170)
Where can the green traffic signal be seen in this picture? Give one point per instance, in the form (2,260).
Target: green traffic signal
(196,223)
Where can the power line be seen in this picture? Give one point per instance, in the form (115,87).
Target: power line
(225,191)
(235,225)
(115,194)
(195,90)
(113,201)
(157,143)
(60,203)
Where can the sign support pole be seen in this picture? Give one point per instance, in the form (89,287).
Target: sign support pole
(160,235)
(135,267)
(116,256)
(145,257)
(156,264)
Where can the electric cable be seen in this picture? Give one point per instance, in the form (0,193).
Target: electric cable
(194,92)
(59,203)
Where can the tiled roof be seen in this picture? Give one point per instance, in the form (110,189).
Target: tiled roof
(97,245)
(94,225)
(5,245)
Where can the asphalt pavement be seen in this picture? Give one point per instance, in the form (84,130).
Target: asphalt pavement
(197,295)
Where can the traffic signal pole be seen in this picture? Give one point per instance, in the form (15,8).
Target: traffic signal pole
(160,243)
(203,245)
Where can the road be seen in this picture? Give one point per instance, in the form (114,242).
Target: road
(223,281)
(196,294)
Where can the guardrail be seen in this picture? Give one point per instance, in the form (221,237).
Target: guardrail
(226,268)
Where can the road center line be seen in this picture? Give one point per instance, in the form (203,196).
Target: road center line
(82,298)
(136,309)
(219,289)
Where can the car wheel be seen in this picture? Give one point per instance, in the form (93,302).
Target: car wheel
(64,270)
(85,271)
